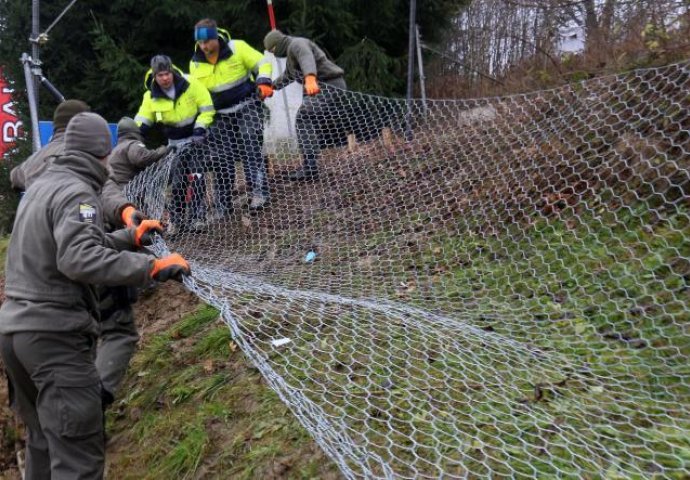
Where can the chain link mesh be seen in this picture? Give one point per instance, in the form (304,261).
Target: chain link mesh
(489,288)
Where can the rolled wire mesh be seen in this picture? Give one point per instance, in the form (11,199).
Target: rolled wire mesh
(490,288)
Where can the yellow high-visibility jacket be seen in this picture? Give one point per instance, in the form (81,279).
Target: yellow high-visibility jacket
(191,108)
(234,76)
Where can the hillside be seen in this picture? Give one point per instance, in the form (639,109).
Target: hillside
(192,406)
(505,297)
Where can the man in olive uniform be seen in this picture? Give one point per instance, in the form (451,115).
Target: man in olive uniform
(130,156)
(307,63)
(119,336)
(48,323)
(118,211)
(29,170)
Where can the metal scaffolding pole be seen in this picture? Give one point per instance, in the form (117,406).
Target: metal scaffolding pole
(33,75)
(35,47)
(33,104)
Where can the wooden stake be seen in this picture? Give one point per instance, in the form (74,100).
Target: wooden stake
(387,136)
(351,143)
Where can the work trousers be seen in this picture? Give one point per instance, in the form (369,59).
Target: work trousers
(188,201)
(56,390)
(315,112)
(118,338)
(236,136)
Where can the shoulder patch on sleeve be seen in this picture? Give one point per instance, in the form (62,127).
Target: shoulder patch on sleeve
(87,213)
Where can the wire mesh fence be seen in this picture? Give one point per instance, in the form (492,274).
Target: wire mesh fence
(490,288)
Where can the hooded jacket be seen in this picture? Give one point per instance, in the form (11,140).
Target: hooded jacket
(58,251)
(234,76)
(130,156)
(29,170)
(23,175)
(304,57)
(191,108)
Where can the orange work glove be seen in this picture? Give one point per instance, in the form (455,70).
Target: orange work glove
(265,91)
(311,86)
(145,230)
(131,217)
(170,267)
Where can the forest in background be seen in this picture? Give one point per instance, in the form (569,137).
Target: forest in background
(471,48)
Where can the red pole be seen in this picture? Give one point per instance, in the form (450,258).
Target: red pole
(271,15)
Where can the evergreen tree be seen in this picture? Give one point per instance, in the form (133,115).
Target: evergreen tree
(100,50)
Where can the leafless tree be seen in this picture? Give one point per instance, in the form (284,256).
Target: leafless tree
(490,37)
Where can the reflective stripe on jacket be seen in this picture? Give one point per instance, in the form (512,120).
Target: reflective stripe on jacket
(232,79)
(191,108)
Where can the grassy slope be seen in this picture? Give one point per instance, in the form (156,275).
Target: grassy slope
(585,292)
(194,408)
(4,243)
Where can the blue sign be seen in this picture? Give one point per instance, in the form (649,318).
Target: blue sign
(46,130)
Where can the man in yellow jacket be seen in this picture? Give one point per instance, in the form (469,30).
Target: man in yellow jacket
(238,77)
(185,109)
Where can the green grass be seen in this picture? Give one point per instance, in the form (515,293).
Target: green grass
(195,407)
(4,243)
(576,290)
(608,291)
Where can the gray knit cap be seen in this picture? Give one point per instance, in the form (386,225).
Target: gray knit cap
(88,132)
(161,63)
(273,38)
(65,111)
(126,125)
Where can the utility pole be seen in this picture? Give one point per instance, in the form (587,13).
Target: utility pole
(410,67)
(420,62)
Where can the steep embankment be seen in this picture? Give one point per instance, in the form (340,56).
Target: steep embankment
(8,429)
(191,406)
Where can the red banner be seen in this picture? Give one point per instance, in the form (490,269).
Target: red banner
(10,124)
